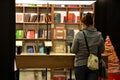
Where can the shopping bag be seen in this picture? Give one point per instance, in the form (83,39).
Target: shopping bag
(93,62)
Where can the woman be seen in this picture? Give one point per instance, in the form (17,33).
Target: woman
(95,42)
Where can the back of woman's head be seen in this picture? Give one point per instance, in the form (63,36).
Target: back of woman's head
(87,19)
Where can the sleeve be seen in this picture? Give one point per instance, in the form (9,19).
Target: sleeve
(75,44)
(101,46)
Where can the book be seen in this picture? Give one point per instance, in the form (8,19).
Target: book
(59,47)
(27,17)
(70,33)
(41,48)
(30,34)
(71,17)
(19,34)
(57,17)
(59,32)
(42,18)
(33,17)
(48,18)
(19,17)
(30,49)
(74,16)
(41,33)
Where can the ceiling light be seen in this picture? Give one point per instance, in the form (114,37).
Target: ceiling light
(65,2)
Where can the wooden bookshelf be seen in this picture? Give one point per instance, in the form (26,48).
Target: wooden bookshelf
(77,10)
(39,21)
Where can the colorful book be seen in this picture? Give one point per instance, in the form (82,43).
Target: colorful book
(31,34)
(70,34)
(40,33)
(59,47)
(59,33)
(57,17)
(42,18)
(41,49)
(19,34)
(30,49)
(33,17)
(71,17)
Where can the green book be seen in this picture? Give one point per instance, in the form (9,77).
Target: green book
(19,34)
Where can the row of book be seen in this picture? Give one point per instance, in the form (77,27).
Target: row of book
(30,34)
(61,17)
(34,48)
(58,17)
(59,33)
(33,17)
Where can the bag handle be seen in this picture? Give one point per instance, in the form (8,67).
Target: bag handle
(86,42)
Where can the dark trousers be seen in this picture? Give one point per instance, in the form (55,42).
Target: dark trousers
(83,73)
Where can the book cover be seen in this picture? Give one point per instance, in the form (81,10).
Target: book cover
(70,34)
(42,18)
(48,18)
(41,49)
(59,33)
(59,47)
(30,49)
(57,17)
(33,17)
(27,17)
(71,17)
(40,33)
(19,34)
(19,17)
(31,34)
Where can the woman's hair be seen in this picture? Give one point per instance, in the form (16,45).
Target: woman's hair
(87,19)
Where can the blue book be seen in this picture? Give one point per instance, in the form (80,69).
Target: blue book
(70,34)
(30,49)
(40,33)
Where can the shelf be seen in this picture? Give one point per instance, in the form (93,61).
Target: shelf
(24,39)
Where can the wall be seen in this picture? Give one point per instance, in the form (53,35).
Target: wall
(7,42)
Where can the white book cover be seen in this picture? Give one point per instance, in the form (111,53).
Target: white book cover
(19,17)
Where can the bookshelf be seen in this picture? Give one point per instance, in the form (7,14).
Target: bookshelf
(61,21)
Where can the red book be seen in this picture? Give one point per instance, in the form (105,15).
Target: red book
(71,17)
(31,34)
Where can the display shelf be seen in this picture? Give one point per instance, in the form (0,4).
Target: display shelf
(43,22)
